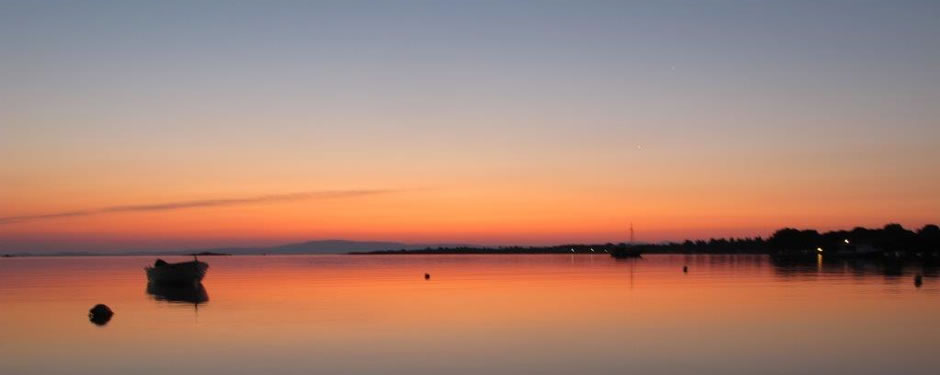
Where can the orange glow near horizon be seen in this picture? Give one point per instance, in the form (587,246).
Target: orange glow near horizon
(494,216)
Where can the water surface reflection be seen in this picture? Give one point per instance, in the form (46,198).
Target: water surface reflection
(891,269)
(188,294)
(494,314)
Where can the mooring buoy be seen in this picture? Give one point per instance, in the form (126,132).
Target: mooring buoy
(100,314)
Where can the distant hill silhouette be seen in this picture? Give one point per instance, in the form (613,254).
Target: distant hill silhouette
(308,247)
(337,246)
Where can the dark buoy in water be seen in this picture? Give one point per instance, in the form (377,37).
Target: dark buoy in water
(918,280)
(685,269)
(427,276)
(100,314)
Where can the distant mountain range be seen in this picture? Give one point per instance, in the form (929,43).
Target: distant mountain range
(318,247)
(309,247)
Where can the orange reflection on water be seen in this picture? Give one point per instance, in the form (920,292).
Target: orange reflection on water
(498,314)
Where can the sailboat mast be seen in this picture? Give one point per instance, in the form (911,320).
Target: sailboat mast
(631,234)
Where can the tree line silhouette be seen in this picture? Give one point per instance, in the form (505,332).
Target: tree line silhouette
(892,238)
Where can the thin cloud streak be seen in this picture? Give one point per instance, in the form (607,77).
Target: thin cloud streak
(271,198)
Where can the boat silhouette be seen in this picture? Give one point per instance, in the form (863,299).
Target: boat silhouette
(183,273)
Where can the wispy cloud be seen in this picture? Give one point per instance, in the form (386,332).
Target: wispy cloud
(168,206)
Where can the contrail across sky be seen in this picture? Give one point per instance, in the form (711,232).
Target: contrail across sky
(271,198)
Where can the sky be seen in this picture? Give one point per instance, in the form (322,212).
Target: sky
(155,125)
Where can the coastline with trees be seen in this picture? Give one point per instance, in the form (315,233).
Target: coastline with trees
(892,240)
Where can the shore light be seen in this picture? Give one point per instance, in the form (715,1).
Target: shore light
(819,249)
(846,240)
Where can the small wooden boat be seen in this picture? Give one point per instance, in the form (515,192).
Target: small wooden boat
(183,273)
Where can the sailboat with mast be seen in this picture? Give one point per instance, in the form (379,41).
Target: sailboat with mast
(629,250)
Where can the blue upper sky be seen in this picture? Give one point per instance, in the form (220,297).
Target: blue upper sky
(801,101)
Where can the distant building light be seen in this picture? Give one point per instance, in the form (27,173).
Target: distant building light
(819,249)
(846,240)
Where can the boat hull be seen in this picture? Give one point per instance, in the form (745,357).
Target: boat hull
(186,273)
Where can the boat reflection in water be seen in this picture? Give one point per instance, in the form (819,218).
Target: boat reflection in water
(182,294)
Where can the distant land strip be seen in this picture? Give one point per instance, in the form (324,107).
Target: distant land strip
(893,241)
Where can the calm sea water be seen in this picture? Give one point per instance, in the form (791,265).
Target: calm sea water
(490,314)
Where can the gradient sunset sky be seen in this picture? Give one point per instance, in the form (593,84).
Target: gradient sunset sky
(156,125)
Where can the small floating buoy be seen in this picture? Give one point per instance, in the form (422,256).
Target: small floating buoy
(685,269)
(918,280)
(100,314)
(427,276)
